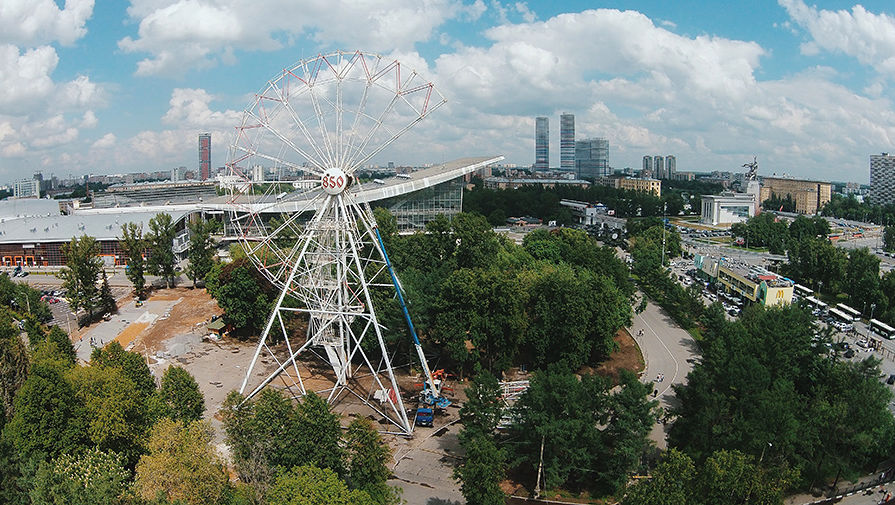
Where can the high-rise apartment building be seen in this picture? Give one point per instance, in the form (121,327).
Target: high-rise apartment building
(592,158)
(567,142)
(542,143)
(26,188)
(647,166)
(659,167)
(882,179)
(205,156)
(670,167)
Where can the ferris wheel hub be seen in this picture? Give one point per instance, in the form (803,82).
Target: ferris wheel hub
(334,181)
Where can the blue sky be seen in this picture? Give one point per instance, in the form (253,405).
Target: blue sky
(120,87)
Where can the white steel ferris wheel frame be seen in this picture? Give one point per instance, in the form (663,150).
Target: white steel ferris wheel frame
(318,117)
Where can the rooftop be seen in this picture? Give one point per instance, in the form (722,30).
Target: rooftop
(61,228)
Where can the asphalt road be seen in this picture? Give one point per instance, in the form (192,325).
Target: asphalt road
(669,352)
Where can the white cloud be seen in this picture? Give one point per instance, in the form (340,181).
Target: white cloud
(89,120)
(189,108)
(25,77)
(527,14)
(106,141)
(13,150)
(868,37)
(180,34)
(36,22)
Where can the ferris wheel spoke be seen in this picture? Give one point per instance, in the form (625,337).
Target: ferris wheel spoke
(348,149)
(321,125)
(379,121)
(288,142)
(302,127)
(276,159)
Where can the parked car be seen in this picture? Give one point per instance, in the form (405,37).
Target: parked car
(891,379)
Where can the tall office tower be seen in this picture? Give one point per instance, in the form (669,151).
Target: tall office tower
(567,142)
(670,166)
(658,167)
(647,166)
(205,156)
(592,158)
(882,179)
(542,143)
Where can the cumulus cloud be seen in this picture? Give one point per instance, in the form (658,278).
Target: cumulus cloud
(106,141)
(868,37)
(189,108)
(36,22)
(25,76)
(180,34)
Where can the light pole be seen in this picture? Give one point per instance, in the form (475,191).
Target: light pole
(872,306)
(664,207)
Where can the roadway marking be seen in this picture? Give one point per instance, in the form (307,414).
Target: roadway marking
(676,366)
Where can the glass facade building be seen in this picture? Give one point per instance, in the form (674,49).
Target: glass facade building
(567,142)
(592,158)
(542,143)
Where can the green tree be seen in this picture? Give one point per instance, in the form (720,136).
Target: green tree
(182,464)
(309,485)
(133,245)
(477,244)
(481,470)
(131,364)
(81,273)
(889,238)
(180,395)
(671,483)
(160,240)
(484,308)
(319,435)
(483,408)
(367,460)
(62,344)
(47,419)
(242,293)
(107,301)
(862,272)
(202,249)
(14,364)
(87,478)
(115,411)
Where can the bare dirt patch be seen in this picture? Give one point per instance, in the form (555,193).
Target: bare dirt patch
(195,308)
(627,357)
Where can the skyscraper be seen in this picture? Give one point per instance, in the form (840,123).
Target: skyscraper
(567,142)
(205,156)
(670,166)
(592,158)
(647,166)
(882,179)
(542,143)
(658,167)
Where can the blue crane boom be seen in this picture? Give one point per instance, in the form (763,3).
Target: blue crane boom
(431,393)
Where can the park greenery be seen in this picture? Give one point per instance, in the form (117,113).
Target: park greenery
(106,432)
(769,387)
(678,198)
(848,207)
(585,433)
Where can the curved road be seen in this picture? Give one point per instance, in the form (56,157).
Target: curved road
(669,352)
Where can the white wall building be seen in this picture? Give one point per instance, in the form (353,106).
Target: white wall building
(727,208)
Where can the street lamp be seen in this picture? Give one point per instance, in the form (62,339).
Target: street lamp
(872,306)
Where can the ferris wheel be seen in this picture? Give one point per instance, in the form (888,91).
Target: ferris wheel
(292,184)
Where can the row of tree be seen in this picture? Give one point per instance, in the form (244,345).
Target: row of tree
(577,434)
(848,207)
(769,386)
(679,197)
(150,253)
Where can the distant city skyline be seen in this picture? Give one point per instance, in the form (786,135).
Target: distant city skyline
(119,87)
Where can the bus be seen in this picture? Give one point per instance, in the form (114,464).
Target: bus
(817,304)
(842,316)
(882,328)
(855,315)
(802,291)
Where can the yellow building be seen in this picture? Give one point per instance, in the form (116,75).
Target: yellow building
(653,186)
(809,196)
(756,285)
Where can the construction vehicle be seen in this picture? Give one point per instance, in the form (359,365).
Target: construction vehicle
(430,397)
